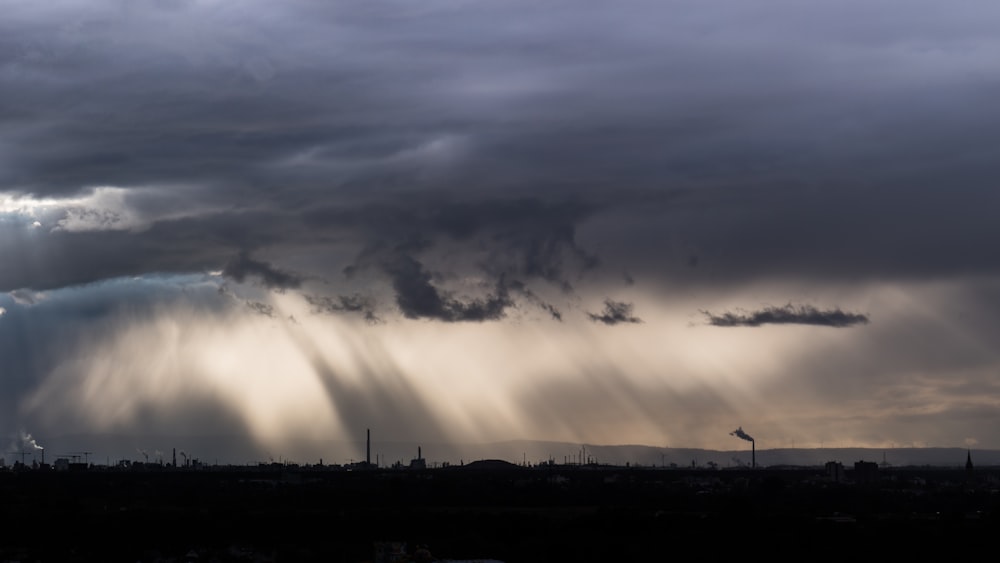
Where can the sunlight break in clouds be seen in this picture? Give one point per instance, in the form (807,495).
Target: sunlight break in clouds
(320,378)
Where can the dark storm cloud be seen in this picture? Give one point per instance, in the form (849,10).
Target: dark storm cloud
(242,267)
(615,312)
(261,308)
(355,303)
(528,237)
(769,142)
(525,236)
(500,239)
(417,297)
(788,314)
(522,289)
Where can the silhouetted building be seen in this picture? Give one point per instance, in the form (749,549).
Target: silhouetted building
(419,462)
(835,471)
(865,472)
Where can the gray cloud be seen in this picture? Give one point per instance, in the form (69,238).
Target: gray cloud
(355,303)
(615,312)
(26,297)
(243,140)
(788,314)
(522,289)
(417,297)
(261,308)
(243,267)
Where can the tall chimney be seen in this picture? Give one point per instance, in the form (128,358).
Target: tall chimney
(419,454)
(368,451)
(753,455)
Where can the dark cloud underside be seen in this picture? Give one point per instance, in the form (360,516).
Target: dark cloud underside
(243,267)
(615,312)
(417,297)
(788,314)
(355,303)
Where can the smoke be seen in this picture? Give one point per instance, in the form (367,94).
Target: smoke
(24,443)
(27,440)
(739,433)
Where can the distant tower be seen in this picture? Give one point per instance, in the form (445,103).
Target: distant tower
(968,466)
(419,462)
(368,450)
(175,457)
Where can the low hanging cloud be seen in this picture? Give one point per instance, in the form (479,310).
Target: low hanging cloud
(243,267)
(418,298)
(355,303)
(26,296)
(788,314)
(261,308)
(534,299)
(615,312)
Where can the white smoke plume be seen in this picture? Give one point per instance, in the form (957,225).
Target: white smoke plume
(27,441)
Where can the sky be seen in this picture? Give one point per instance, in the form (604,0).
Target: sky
(635,222)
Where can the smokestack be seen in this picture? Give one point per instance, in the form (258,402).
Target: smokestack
(368,449)
(420,455)
(739,433)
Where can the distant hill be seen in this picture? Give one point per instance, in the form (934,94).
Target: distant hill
(489,465)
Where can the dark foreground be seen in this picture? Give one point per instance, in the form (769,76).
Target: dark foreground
(505,513)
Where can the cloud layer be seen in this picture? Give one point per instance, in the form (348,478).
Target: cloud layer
(490,169)
(788,314)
